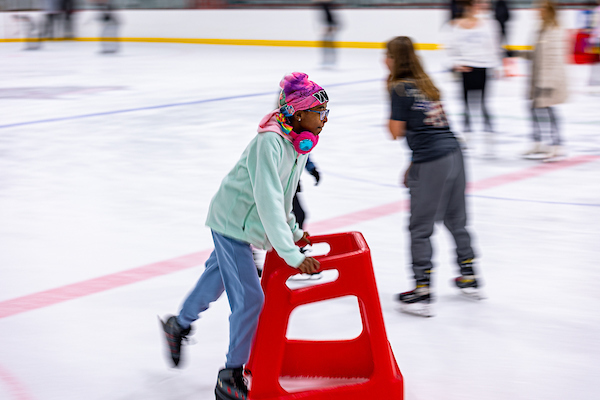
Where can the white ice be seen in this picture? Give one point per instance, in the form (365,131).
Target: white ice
(108,163)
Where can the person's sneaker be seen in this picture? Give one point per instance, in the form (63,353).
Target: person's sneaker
(175,334)
(417,301)
(556,153)
(231,384)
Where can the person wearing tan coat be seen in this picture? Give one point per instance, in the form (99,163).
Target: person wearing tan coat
(547,82)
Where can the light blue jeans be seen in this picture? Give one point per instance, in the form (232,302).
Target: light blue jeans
(230,267)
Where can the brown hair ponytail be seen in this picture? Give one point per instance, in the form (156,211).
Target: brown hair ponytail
(406,66)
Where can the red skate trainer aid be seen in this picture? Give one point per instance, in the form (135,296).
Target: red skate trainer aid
(366,362)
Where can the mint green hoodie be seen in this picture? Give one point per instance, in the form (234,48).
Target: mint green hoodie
(254,202)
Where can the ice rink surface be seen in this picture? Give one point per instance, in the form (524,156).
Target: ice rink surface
(107,167)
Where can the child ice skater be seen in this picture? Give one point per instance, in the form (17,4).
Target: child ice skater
(436,175)
(253,206)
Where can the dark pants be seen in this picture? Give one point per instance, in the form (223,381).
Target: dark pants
(49,25)
(537,124)
(298,211)
(474,81)
(109,35)
(328,45)
(437,192)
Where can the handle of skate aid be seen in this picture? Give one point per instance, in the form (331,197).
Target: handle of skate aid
(342,246)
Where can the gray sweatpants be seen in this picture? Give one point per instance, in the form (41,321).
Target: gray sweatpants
(437,193)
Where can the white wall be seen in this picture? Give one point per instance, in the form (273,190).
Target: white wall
(358,25)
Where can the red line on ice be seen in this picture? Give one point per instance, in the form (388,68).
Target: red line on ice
(14,386)
(95,285)
(80,289)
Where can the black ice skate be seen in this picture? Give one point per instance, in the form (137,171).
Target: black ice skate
(467,281)
(174,334)
(417,301)
(231,385)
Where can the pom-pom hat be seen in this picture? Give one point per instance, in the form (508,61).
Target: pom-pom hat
(299,93)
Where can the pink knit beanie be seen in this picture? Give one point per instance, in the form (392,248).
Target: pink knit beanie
(298,93)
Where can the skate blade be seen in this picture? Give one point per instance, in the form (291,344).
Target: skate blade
(554,159)
(473,294)
(536,156)
(418,309)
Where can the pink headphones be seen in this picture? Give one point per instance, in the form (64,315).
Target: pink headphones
(304,142)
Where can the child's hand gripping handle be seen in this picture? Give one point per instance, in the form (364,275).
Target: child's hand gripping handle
(310,265)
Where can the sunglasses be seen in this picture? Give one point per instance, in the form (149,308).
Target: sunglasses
(323,113)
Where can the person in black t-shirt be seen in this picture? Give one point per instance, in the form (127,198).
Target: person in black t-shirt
(436,175)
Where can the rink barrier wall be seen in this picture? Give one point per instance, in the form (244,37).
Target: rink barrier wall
(250,42)
(243,42)
(360,28)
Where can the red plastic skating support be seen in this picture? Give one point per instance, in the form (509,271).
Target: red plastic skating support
(368,356)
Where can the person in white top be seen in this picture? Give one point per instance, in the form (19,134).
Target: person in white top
(474,48)
(548,83)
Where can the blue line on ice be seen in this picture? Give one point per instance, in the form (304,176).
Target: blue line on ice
(185,103)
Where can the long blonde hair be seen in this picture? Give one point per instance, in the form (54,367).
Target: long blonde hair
(549,19)
(406,66)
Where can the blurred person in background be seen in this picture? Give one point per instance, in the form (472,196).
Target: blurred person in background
(435,176)
(52,12)
(109,30)
(548,80)
(31,31)
(297,208)
(330,29)
(474,48)
(67,8)
(456,10)
(502,15)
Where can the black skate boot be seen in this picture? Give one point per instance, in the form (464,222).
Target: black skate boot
(175,334)
(417,301)
(467,281)
(231,385)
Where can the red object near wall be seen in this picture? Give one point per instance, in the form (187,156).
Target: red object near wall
(368,358)
(581,47)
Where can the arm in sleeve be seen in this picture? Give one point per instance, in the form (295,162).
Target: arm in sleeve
(400,103)
(310,166)
(452,47)
(400,106)
(263,163)
(312,169)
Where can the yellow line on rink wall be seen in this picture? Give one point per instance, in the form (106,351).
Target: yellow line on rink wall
(258,42)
